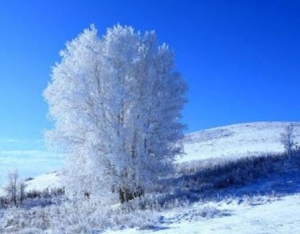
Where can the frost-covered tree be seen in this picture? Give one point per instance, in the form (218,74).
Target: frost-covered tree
(287,138)
(14,188)
(116,102)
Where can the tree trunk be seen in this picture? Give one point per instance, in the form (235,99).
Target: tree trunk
(126,195)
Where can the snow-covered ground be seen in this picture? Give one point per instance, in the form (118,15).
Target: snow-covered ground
(42,182)
(266,214)
(268,205)
(262,214)
(235,141)
(45,181)
(228,142)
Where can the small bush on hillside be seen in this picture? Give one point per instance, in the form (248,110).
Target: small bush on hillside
(287,138)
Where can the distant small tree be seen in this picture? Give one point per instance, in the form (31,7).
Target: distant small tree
(15,188)
(288,140)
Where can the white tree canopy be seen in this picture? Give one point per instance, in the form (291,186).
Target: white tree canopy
(116,104)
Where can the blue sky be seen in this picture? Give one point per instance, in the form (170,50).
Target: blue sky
(241,58)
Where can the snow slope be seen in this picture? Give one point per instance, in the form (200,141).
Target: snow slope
(45,181)
(239,213)
(242,210)
(231,141)
(42,182)
(235,141)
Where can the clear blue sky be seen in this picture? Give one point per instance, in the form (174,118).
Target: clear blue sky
(241,58)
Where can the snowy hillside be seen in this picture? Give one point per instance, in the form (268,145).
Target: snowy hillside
(235,141)
(45,181)
(266,203)
(232,142)
(242,209)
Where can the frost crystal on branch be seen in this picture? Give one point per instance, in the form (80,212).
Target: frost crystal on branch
(116,102)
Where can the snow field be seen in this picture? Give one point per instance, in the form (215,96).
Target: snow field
(257,215)
(235,141)
(232,212)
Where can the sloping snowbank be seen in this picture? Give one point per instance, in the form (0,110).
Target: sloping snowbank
(235,141)
(44,182)
(232,212)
